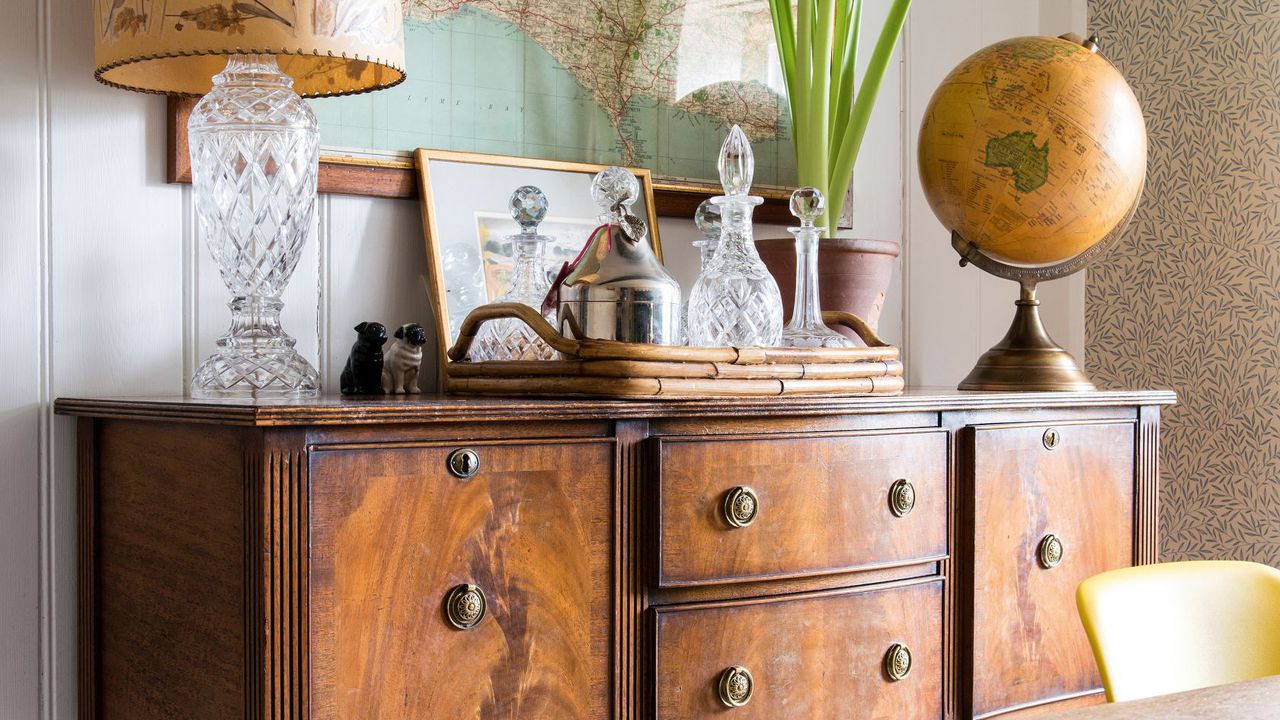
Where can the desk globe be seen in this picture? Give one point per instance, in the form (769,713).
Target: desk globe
(1033,153)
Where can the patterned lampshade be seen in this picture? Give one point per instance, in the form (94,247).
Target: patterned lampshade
(328,47)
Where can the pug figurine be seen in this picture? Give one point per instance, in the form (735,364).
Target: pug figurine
(400,371)
(362,374)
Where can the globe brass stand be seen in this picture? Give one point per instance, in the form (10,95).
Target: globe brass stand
(1027,359)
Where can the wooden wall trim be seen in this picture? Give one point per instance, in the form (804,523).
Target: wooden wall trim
(1146,490)
(349,176)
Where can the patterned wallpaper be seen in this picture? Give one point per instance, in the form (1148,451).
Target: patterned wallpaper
(1191,299)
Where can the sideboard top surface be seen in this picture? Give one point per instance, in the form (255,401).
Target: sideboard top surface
(338,410)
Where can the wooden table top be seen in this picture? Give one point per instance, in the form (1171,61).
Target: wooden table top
(1248,700)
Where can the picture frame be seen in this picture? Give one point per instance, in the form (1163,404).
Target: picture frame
(464,200)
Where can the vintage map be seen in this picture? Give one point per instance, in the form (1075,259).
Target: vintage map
(652,83)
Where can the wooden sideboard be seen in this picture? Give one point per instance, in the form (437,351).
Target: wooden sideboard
(902,557)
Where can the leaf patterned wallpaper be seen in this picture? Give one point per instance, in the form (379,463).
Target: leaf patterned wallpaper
(1191,299)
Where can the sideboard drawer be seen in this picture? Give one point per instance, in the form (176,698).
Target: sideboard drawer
(1053,505)
(823,656)
(395,531)
(748,509)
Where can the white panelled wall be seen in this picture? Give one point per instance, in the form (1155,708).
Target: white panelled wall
(105,288)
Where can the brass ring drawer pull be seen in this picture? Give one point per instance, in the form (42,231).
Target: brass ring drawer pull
(902,497)
(464,463)
(736,686)
(465,606)
(1050,551)
(897,662)
(741,506)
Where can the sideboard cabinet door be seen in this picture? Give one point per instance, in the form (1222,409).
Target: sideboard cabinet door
(462,581)
(1053,505)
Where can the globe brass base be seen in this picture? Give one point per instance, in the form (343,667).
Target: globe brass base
(1027,359)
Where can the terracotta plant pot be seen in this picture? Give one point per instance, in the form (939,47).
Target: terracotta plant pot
(853,274)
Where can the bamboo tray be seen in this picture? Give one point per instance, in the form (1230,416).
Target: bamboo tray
(611,369)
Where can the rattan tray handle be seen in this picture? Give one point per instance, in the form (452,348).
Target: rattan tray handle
(610,349)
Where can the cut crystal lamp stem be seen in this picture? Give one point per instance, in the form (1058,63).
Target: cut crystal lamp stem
(806,328)
(735,301)
(254,160)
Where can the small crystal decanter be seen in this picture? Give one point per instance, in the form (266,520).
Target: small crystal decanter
(707,220)
(806,328)
(735,301)
(509,338)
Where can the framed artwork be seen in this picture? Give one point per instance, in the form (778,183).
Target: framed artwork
(466,220)
(637,83)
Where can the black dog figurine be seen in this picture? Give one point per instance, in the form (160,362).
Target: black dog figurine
(363,372)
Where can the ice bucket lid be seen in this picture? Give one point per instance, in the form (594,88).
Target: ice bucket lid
(619,266)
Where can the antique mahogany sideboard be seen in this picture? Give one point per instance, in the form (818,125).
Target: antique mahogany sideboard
(903,557)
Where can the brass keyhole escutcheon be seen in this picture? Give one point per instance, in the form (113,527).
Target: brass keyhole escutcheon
(902,497)
(465,606)
(464,463)
(897,662)
(741,506)
(736,686)
(1052,439)
(1050,551)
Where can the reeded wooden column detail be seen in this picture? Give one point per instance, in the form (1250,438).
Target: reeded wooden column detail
(629,595)
(276,491)
(1146,489)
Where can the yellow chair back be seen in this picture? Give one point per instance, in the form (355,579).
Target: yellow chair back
(1160,629)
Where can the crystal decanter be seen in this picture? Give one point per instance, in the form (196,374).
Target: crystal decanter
(254,158)
(735,301)
(806,328)
(707,220)
(509,338)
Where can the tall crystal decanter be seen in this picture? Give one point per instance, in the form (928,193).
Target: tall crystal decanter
(806,328)
(509,338)
(735,300)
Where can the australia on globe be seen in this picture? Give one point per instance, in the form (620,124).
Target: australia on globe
(1033,150)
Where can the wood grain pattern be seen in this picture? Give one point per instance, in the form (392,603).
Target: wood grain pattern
(1028,647)
(393,532)
(297,569)
(169,561)
(823,506)
(817,657)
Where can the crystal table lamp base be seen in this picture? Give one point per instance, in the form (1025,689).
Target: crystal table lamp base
(254,162)
(256,358)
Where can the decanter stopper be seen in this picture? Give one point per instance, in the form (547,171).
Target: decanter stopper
(737,164)
(528,208)
(707,218)
(808,204)
(614,190)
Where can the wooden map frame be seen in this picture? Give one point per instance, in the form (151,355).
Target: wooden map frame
(397,178)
